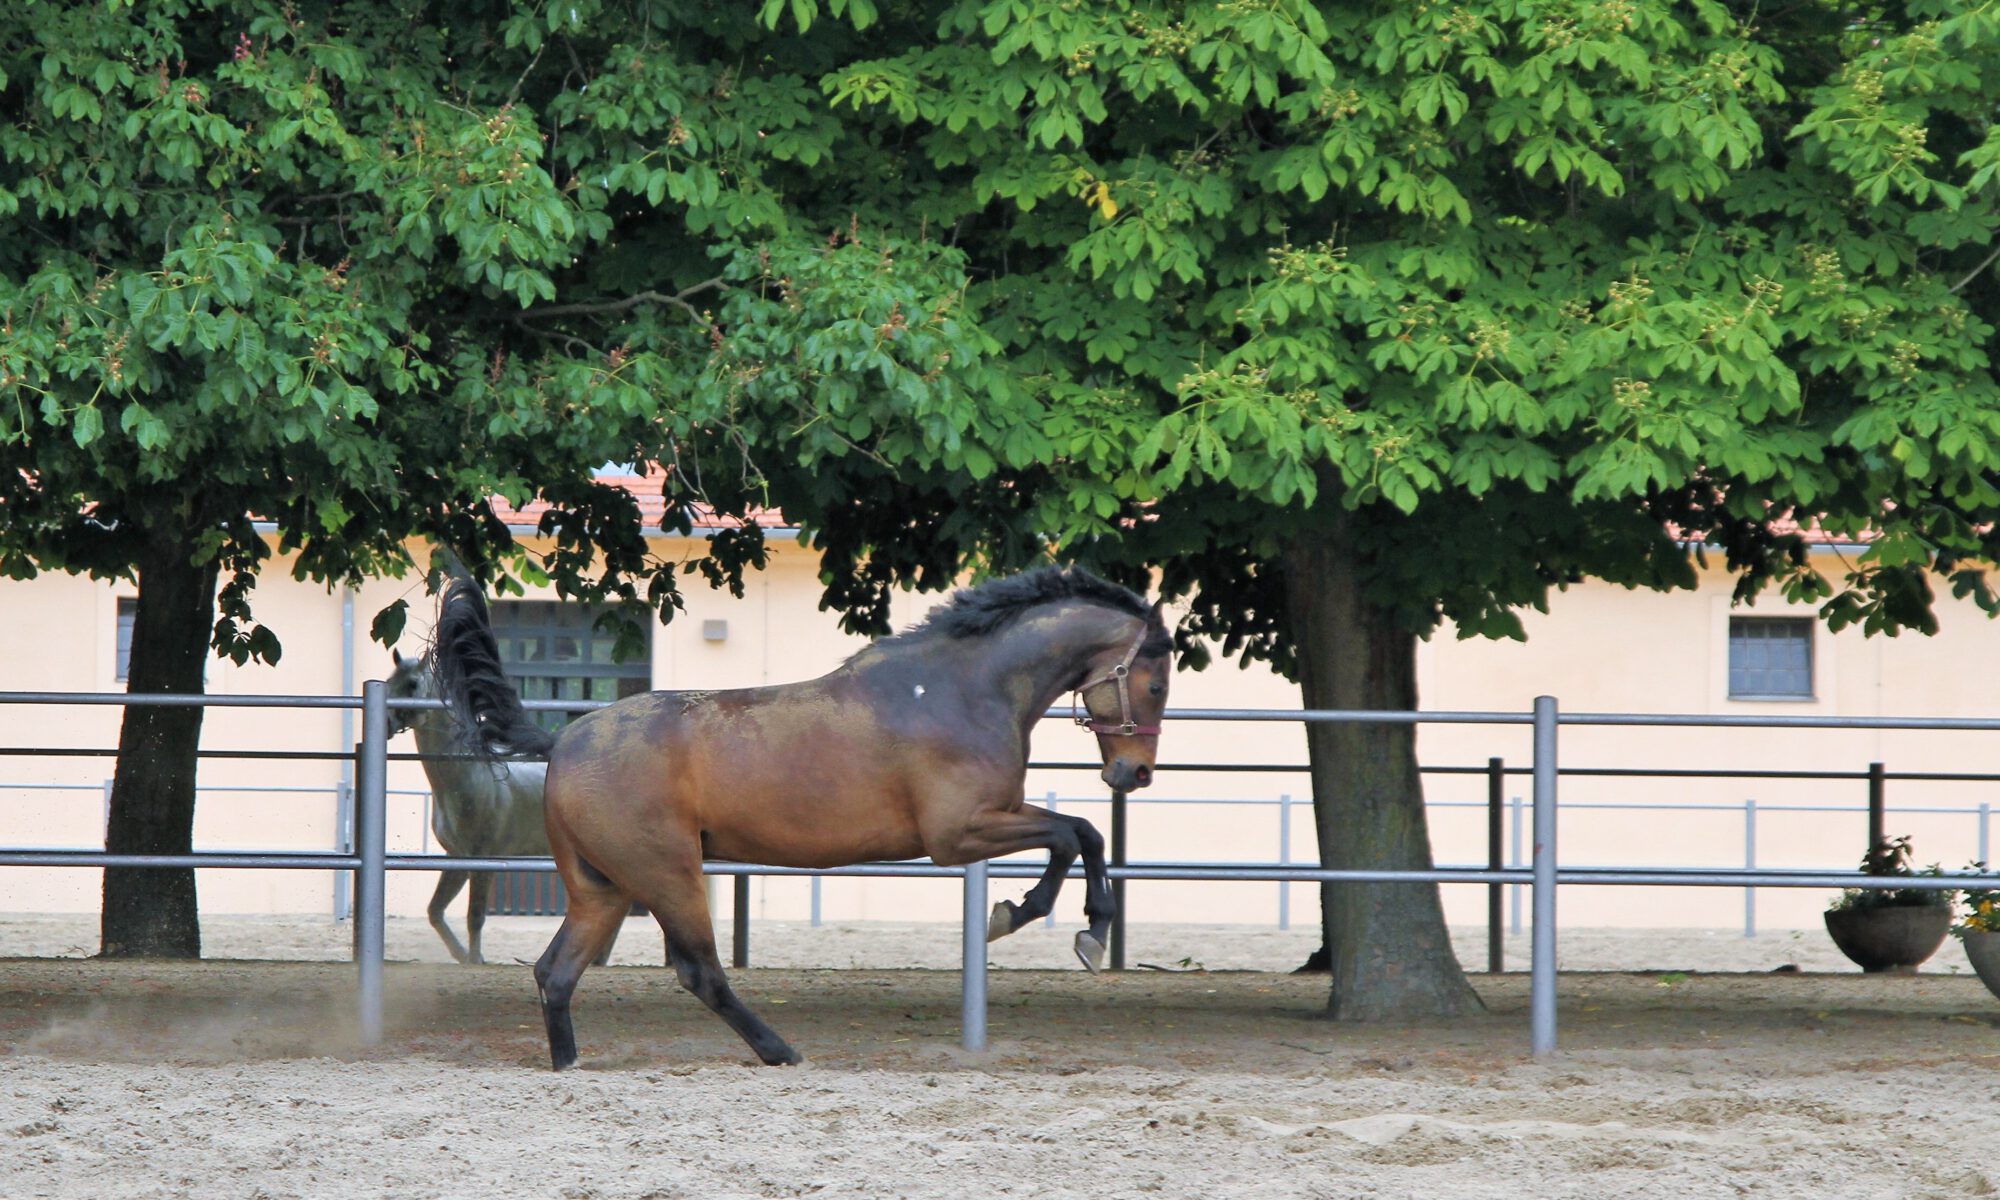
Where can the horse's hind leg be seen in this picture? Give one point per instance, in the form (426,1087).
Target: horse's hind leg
(478,894)
(592,921)
(681,907)
(448,884)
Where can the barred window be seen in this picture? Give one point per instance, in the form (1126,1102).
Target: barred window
(554,652)
(1770,658)
(128,612)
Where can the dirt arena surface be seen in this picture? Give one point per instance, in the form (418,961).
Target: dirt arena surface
(1704,1076)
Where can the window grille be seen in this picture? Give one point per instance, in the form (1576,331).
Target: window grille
(1770,658)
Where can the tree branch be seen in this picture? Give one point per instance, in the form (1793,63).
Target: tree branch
(573,344)
(1974,273)
(588,308)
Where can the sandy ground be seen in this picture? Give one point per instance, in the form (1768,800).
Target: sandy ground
(1687,1069)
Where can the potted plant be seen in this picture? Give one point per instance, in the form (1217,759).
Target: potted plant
(1979,931)
(1890,930)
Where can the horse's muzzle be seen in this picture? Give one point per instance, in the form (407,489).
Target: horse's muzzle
(1124,775)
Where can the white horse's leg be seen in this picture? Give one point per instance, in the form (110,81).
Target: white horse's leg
(448,884)
(477,896)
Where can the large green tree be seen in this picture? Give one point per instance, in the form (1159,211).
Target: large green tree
(1360,318)
(1351,319)
(353,269)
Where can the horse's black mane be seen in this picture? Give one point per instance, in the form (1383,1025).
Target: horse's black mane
(987,608)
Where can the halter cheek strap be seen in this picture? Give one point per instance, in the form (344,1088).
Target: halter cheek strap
(1121,674)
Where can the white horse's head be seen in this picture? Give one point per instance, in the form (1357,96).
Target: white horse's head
(411,680)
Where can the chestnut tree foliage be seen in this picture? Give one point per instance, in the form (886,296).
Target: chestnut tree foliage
(1360,318)
(355,268)
(1349,319)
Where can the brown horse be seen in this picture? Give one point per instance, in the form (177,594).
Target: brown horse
(917,745)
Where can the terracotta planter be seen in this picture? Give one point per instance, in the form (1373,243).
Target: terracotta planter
(1983,951)
(1892,939)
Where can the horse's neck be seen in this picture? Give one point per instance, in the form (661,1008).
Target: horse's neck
(433,733)
(437,734)
(1043,655)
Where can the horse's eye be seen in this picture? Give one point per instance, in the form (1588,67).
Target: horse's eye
(1158,688)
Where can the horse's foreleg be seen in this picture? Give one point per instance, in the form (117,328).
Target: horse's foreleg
(448,884)
(590,924)
(992,834)
(478,894)
(1099,904)
(1029,833)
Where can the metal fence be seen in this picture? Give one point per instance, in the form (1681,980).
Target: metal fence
(370,861)
(1511,821)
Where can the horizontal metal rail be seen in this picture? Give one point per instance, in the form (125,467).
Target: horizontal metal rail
(1310,716)
(371,862)
(1019,869)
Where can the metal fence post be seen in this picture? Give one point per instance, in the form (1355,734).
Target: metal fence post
(1985,829)
(815,901)
(1118,885)
(1514,860)
(1542,962)
(1877,789)
(739,931)
(370,838)
(1284,858)
(1750,863)
(972,1009)
(343,843)
(1496,784)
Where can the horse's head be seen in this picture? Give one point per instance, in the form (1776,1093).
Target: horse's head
(1125,692)
(411,680)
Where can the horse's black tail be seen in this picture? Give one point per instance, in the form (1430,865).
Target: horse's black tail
(473,685)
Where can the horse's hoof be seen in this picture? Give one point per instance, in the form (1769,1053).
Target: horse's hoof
(1090,952)
(1001,923)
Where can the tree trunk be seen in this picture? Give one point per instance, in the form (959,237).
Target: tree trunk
(150,912)
(1387,945)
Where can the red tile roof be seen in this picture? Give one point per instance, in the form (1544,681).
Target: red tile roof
(647,488)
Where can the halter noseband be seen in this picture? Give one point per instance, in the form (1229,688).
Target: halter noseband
(1121,674)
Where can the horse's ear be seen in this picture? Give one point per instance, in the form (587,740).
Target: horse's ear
(1153,613)
(396,657)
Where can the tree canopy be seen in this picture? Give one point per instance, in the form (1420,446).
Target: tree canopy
(355,269)
(1582,279)
(1347,319)
(1353,319)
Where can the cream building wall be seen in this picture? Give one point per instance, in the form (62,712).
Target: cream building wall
(1599,649)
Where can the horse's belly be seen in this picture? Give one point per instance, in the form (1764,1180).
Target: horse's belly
(785,828)
(795,847)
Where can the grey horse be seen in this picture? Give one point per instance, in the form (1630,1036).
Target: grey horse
(480,806)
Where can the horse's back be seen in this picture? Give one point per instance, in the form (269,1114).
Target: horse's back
(491,808)
(796,775)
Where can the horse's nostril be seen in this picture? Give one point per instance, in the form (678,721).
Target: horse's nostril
(1143,776)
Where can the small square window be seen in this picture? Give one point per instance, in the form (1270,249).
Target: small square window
(1770,658)
(128,612)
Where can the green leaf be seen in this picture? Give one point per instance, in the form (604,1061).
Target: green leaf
(86,425)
